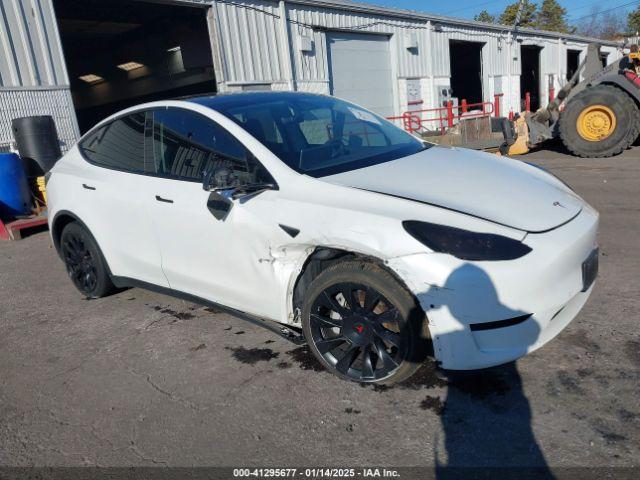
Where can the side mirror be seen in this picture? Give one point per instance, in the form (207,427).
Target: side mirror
(224,178)
(219,206)
(219,178)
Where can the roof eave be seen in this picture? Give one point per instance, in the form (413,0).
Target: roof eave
(425,17)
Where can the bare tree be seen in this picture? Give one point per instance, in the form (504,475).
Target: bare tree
(589,26)
(607,25)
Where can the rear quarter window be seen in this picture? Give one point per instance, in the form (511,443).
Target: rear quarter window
(118,145)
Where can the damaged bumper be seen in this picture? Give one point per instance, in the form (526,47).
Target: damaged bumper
(482,314)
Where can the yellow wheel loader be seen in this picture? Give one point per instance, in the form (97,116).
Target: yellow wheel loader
(601,115)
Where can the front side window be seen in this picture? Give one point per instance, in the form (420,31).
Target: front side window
(187,144)
(118,145)
(317,135)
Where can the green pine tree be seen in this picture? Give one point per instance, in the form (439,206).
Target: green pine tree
(552,16)
(485,17)
(527,18)
(633,21)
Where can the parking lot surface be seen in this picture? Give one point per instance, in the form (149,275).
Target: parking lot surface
(143,379)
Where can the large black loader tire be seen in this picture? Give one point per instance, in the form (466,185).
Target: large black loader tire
(600,121)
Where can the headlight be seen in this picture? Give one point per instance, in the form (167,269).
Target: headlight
(464,244)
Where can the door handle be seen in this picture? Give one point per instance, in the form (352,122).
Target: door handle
(88,187)
(165,200)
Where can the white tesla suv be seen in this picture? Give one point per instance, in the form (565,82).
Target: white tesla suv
(319,215)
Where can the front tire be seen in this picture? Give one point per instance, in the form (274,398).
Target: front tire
(600,121)
(85,264)
(363,325)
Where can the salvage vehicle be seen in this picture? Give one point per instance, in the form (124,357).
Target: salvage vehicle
(327,224)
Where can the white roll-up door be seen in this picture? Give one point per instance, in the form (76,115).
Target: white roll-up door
(360,69)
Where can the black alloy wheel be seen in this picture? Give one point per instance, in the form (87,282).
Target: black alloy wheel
(81,265)
(357,331)
(84,261)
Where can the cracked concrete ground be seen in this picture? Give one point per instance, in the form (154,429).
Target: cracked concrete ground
(142,379)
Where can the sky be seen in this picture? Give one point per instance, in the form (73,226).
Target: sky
(468,8)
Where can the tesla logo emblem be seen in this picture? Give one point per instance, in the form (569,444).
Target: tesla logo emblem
(359,328)
(558,204)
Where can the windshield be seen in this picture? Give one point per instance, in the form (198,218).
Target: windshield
(315,134)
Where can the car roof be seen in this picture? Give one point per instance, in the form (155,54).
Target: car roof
(244,98)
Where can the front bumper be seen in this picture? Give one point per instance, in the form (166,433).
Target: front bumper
(541,292)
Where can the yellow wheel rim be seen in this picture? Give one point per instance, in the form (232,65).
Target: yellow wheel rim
(596,122)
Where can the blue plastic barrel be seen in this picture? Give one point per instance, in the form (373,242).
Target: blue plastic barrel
(15,197)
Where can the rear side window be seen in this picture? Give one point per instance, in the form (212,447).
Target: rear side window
(186,144)
(119,144)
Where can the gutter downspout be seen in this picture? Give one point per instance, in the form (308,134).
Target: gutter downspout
(432,84)
(509,75)
(285,35)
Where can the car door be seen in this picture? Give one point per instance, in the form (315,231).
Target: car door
(113,188)
(224,260)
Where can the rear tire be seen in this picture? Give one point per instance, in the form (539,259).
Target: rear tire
(85,263)
(616,118)
(363,325)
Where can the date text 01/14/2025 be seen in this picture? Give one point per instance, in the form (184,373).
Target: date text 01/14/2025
(315,472)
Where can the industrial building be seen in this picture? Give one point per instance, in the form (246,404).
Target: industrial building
(80,61)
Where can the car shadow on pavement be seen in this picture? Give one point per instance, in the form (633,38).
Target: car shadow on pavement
(486,421)
(486,416)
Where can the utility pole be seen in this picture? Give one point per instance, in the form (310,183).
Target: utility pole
(519,14)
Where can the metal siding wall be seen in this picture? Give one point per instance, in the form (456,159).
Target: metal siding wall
(243,33)
(562,64)
(55,102)
(548,55)
(249,42)
(31,60)
(440,54)
(516,66)
(548,66)
(30,45)
(314,66)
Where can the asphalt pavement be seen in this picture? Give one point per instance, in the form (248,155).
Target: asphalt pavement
(141,379)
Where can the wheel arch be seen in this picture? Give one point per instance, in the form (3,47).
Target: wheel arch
(64,218)
(61,220)
(320,258)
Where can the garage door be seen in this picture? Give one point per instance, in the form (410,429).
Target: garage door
(360,70)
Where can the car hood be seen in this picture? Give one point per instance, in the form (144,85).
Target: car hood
(498,189)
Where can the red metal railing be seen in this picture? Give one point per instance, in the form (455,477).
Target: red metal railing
(442,118)
(446,116)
